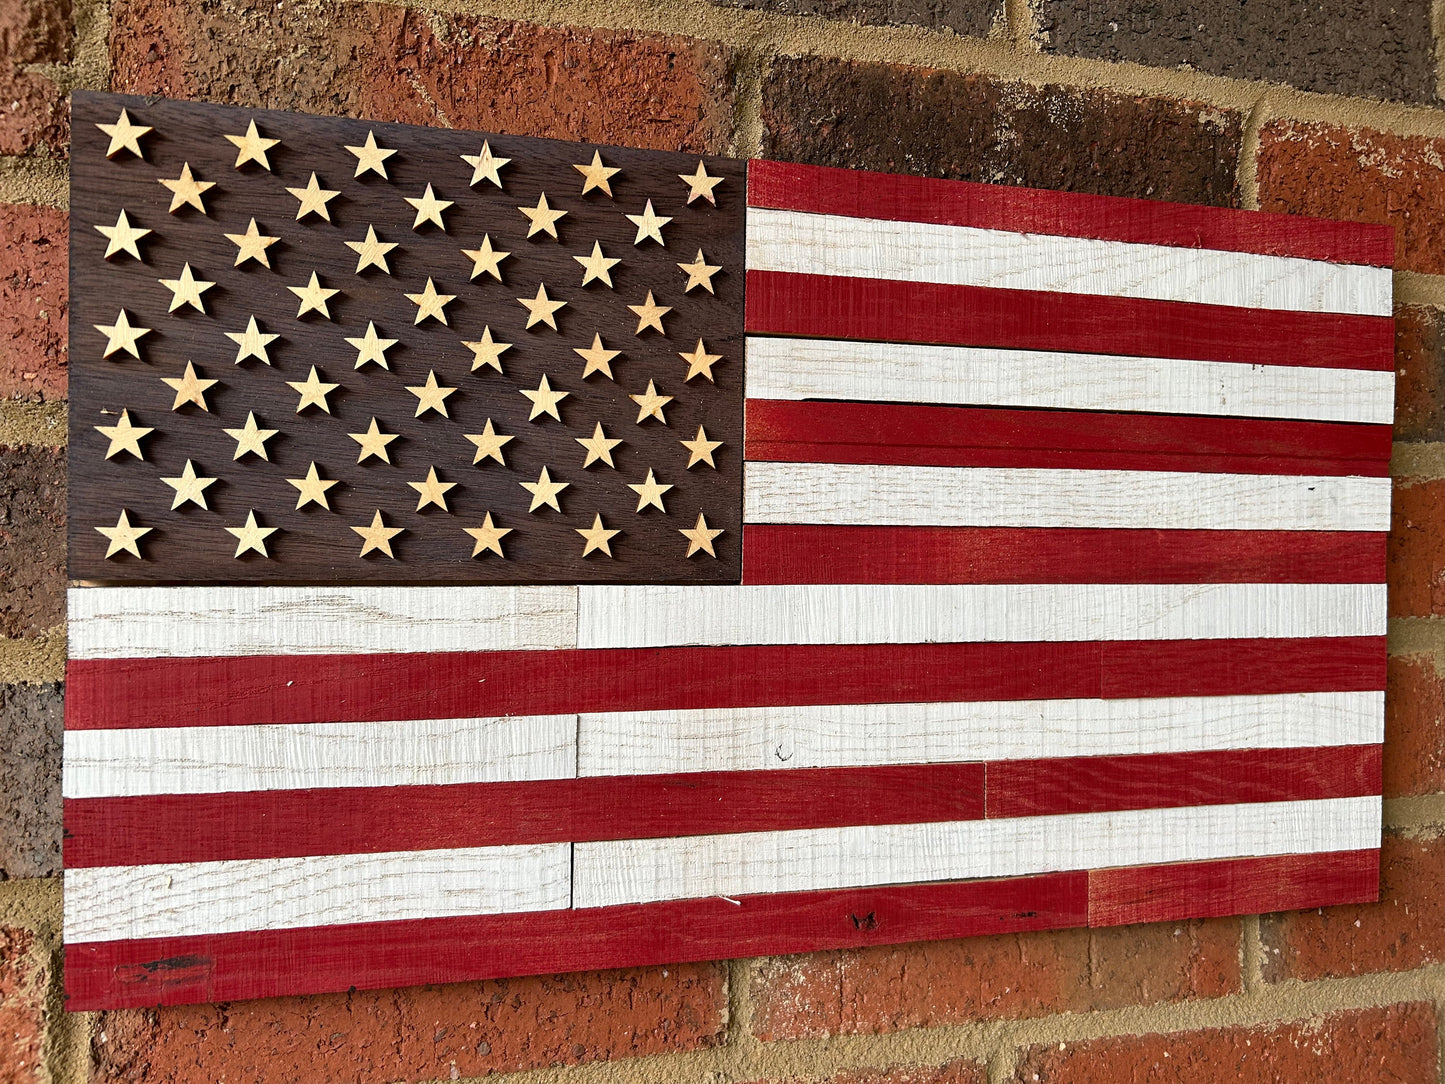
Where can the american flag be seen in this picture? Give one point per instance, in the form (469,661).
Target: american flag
(1029,574)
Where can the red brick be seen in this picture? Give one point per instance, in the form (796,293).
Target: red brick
(23,980)
(423,1033)
(34,112)
(962,1071)
(1365,1046)
(1414,734)
(1362,176)
(32,540)
(34,301)
(388,62)
(1416,568)
(1420,374)
(1007,976)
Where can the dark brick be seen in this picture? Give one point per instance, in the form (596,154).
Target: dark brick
(1414,727)
(1354,47)
(34,301)
(34,112)
(942,124)
(32,540)
(972,17)
(1420,374)
(30,731)
(1415,552)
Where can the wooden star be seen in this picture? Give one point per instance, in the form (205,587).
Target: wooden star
(489,444)
(251,438)
(251,245)
(700,449)
(252,147)
(700,536)
(700,273)
(124,437)
(313,199)
(431,396)
(700,184)
(313,391)
(488,537)
(378,536)
(122,237)
(186,191)
(124,536)
(544,491)
(597,536)
(485,259)
(486,351)
(429,209)
(649,225)
(312,488)
(189,487)
(121,336)
(650,314)
(596,175)
(186,290)
(543,219)
(597,266)
(371,157)
(599,447)
(598,359)
(251,535)
(650,404)
(432,491)
(124,136)
(189,388)
(373,442)
(700,362)
(252,342)
(313,297)
(544,400)
(485,166)
(371,251)
(541,309)
(371,347)
(649,492)
(430,303)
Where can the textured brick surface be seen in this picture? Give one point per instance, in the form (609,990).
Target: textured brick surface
(34,114)
(30,731)
(23,978)
(949,982)
(32,540)
(941,124)
(1363,176)
(973,17)
(961,1071)
(34,300)
(1420,369)
(1368,1046)
(391,63)
(1414,727)
(1417,549)
(1335,46)
(423,1033)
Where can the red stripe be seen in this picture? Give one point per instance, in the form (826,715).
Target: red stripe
(1247,886)
(788,553)
(859,194)
(952,436)
(836,307)
(136,693)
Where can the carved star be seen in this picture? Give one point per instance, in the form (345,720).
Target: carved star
(313,391)
(700,449)
(649,492)
(541,309)
(485,166)
(252,342)
(252,438)
(124,437)
(186,191)
(650,404)
(429,208)
(369,156)
(312,489)
(313,199)
(700,184)
(649,225)
(486,351)
(699,362)
(371,251)
(596,175)
(124,136)
(700,536)
(121,336)
(251,245)
(488,537)
(189,487)
(371,347)
(597,266)
(123,536)
(189,388)
(378,536)
(489,444)
(122,237)
(598,359)
(599,447)
(430,303)
(186,290)
(543,219)
(597,536)
(431,396)
(544,400)
(313,297)
(700,273)
(373,442)
(432,491)
(485,259)
(251,535)
(650,314)
(252,147)
(544,491)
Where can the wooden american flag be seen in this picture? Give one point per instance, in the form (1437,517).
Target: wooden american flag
(499,556)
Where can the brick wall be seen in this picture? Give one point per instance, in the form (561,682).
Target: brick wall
(1330,107)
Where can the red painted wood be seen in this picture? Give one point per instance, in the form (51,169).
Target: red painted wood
(860,194)
(952,436)
(226,967)
(1031,788)
(801,553)
(836,307)
(105,693)
(1236,886)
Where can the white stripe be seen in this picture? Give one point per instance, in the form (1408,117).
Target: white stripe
(780,368)
(814,244)
(860,493)
(860,735)
(211,759)
(174,622)
(175,900)
(644,870)
(660,616)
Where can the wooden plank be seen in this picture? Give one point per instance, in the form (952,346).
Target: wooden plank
(822,189)
(853,493)
(912,251)
(1129,668)
(858,308)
